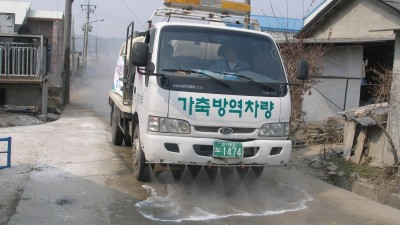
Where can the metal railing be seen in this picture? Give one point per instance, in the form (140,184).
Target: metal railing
(21,58)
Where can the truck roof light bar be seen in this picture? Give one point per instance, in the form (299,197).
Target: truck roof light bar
(203,16)
(217,6)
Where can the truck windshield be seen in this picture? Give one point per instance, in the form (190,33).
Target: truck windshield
(218,53)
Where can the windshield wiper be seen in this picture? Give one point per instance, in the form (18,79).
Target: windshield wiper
(198,72)
(247,78)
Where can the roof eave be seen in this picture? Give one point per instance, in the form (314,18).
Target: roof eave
(357,40)
(314,22)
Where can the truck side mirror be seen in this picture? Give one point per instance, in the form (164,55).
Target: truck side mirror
(140,54)
(302,70)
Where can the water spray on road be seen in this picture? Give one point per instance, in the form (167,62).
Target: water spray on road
(202,198)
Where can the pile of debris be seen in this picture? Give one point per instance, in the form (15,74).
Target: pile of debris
(329,132)
(364,141)
(11,116)
(12,119)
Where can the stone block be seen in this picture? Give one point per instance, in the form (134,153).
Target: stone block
(52,116)
(394,201)
(332,168)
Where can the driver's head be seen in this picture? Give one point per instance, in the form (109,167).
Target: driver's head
(230,53)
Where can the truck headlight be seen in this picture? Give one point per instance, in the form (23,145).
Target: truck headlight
(274,130)
(166,125)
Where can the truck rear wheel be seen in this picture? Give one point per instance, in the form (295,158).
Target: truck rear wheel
(128,140)
(140,167)
(117,136)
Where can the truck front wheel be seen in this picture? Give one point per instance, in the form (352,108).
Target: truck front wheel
(140,167)
(117,136)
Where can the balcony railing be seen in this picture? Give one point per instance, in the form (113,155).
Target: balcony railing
(21,56)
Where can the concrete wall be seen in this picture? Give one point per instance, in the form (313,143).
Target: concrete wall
(339,87)
(53,31)
(356,19)
(379,148)
(7,22)
(17,94)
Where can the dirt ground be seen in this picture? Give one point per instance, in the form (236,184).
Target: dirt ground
(12,182)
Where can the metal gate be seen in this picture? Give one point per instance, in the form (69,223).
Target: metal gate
(6,151)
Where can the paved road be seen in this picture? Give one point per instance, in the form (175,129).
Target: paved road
(69,173)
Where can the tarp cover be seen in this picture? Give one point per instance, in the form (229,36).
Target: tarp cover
(344,67)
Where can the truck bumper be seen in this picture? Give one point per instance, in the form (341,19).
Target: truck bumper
(198,151)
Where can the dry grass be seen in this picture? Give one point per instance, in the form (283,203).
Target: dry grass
(385,184)
(348,167)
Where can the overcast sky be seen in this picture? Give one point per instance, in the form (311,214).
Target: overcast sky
(117,14)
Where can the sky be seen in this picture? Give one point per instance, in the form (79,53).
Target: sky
(118,14)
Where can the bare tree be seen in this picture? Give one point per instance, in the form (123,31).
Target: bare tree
(382,83)
(292,51)
(383,90)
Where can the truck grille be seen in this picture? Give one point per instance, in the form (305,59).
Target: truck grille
(215,130)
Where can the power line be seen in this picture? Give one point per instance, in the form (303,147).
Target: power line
(78,19)
(140,22)
(117,21)
(102,13)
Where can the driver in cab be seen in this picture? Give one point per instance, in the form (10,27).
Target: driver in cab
(230,62)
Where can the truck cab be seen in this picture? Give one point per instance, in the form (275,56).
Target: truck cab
(201,95)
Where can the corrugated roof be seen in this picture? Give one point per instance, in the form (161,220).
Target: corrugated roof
(42,14)
(278,24)
(19,8)
(394,3)
(275,24)
(322,5)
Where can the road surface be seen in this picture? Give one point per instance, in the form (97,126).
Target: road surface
(68,172)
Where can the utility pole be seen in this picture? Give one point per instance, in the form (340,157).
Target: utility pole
(87,28)
(67,50)
(96,47)
(394,104)
(73,36)
(247,22)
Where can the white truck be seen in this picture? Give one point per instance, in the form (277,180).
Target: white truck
(202,94)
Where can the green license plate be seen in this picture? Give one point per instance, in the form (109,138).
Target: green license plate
(227,149)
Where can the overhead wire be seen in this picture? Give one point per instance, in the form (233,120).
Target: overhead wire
(137,18)
(113,18)
(78,9)
(109,15)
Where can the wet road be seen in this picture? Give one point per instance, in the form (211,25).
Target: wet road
(77,176)
(68,172)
